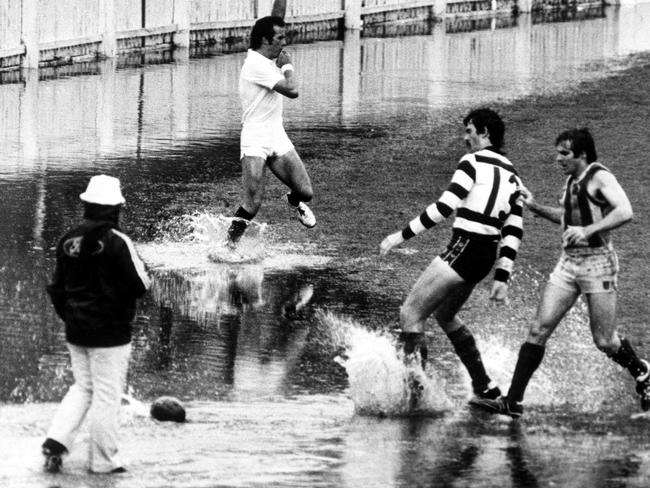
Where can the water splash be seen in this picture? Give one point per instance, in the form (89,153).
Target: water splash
(196,242)
(132,408)
(380,382)
(213,231)
(573,374)
(500,360)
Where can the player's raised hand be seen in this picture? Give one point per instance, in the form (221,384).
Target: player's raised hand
(283,58)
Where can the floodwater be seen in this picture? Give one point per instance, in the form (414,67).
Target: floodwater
(286,365)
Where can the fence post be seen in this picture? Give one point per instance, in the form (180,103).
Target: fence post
(351,79)
(106,87)
(29,116)
(108,46)
(182,21)
(352,14)
(439,8)
(524,5)
(30,34)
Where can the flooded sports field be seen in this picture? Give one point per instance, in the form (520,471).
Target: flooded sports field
(286,365)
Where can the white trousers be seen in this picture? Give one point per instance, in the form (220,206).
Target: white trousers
(100,377)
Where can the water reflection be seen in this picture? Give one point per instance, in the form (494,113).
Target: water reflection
(217,331)
(110,111)
(445,452)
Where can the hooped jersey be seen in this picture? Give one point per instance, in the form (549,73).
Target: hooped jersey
(484,191)
(582,209)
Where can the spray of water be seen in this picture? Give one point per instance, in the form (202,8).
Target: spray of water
(574,373)
(212,230)
(195,242)
(380,382)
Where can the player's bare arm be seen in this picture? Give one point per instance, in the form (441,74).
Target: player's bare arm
(605,185)
(287,86)
(554,214)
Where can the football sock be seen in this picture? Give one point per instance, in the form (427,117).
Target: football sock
(626,357)
(54,447)
(530,357)
(465,346)
(239,224)
(294,201)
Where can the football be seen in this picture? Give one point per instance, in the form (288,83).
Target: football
(167,408)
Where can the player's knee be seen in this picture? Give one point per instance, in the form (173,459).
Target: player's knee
(253,201)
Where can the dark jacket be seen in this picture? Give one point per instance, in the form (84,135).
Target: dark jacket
(96,282)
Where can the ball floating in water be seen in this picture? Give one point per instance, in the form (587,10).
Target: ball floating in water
(167,408)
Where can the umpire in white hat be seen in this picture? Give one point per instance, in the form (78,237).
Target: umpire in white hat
(96,282)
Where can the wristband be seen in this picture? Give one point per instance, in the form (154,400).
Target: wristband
(286,67)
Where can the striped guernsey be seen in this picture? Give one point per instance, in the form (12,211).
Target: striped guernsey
(582,209)
(484,191)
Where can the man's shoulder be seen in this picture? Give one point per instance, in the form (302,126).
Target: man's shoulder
(117,241)
(118,235)
(255,66)
(489,156)
(255,59)
(595,174)
(596,167)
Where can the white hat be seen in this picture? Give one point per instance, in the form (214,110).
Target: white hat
(103,190)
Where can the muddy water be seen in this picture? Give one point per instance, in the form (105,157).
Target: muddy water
(286,364)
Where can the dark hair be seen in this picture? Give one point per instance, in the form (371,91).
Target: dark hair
(95,211)
(485,118)
(581,142)
(263,28)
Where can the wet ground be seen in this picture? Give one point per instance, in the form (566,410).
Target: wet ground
(286,365)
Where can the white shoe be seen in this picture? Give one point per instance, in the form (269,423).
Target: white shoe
(305,215)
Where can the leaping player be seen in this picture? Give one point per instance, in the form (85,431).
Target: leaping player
(267,76)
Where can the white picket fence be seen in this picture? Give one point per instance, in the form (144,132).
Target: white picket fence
(30,27)
(50,24)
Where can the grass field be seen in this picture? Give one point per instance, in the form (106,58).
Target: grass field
(372,183)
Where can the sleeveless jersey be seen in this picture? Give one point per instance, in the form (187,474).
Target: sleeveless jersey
(582,209)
